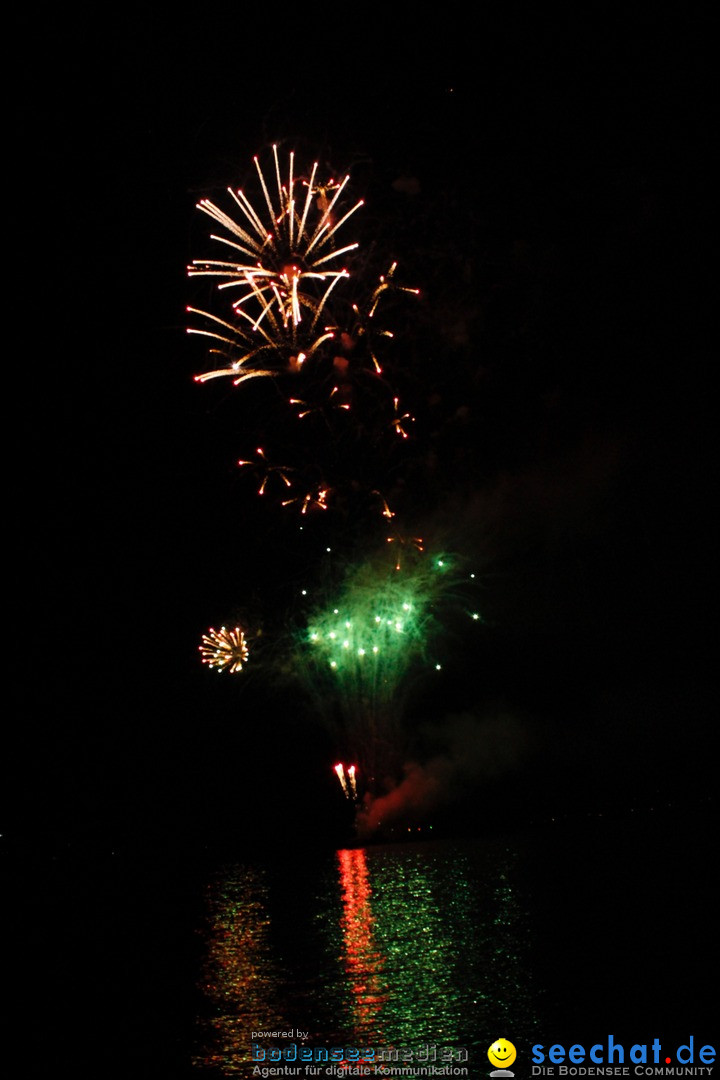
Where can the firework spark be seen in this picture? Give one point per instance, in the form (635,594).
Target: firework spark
(411,543)
(267,470)
(224,649)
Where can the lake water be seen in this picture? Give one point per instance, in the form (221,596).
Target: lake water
(563,934)
(164,966)
(399,946)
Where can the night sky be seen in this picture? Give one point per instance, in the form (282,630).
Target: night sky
(547,188)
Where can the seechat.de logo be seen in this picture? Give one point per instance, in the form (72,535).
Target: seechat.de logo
(501,1054)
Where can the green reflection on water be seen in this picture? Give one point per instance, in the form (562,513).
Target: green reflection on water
(445,945)
(399,946)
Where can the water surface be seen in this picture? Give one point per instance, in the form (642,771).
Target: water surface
(412,946)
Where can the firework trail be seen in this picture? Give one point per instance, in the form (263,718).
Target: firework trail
(351,777)
(340,773)
(351,790)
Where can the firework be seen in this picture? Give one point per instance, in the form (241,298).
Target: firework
(285,269)
(224,649)
(278,263)
(302,330)
(359,655)
(298,315)
(282,270)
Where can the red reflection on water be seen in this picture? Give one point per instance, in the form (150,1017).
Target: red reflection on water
(364,962)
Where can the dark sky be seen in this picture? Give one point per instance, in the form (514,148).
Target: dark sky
(558,223)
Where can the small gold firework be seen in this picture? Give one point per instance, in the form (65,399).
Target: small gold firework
(224,649)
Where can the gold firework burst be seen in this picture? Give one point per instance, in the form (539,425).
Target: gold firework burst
(224,649)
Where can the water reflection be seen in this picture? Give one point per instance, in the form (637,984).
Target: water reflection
(399,946)
(240,977)
(364,962)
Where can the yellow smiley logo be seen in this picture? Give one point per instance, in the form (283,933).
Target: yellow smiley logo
(502,1053)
